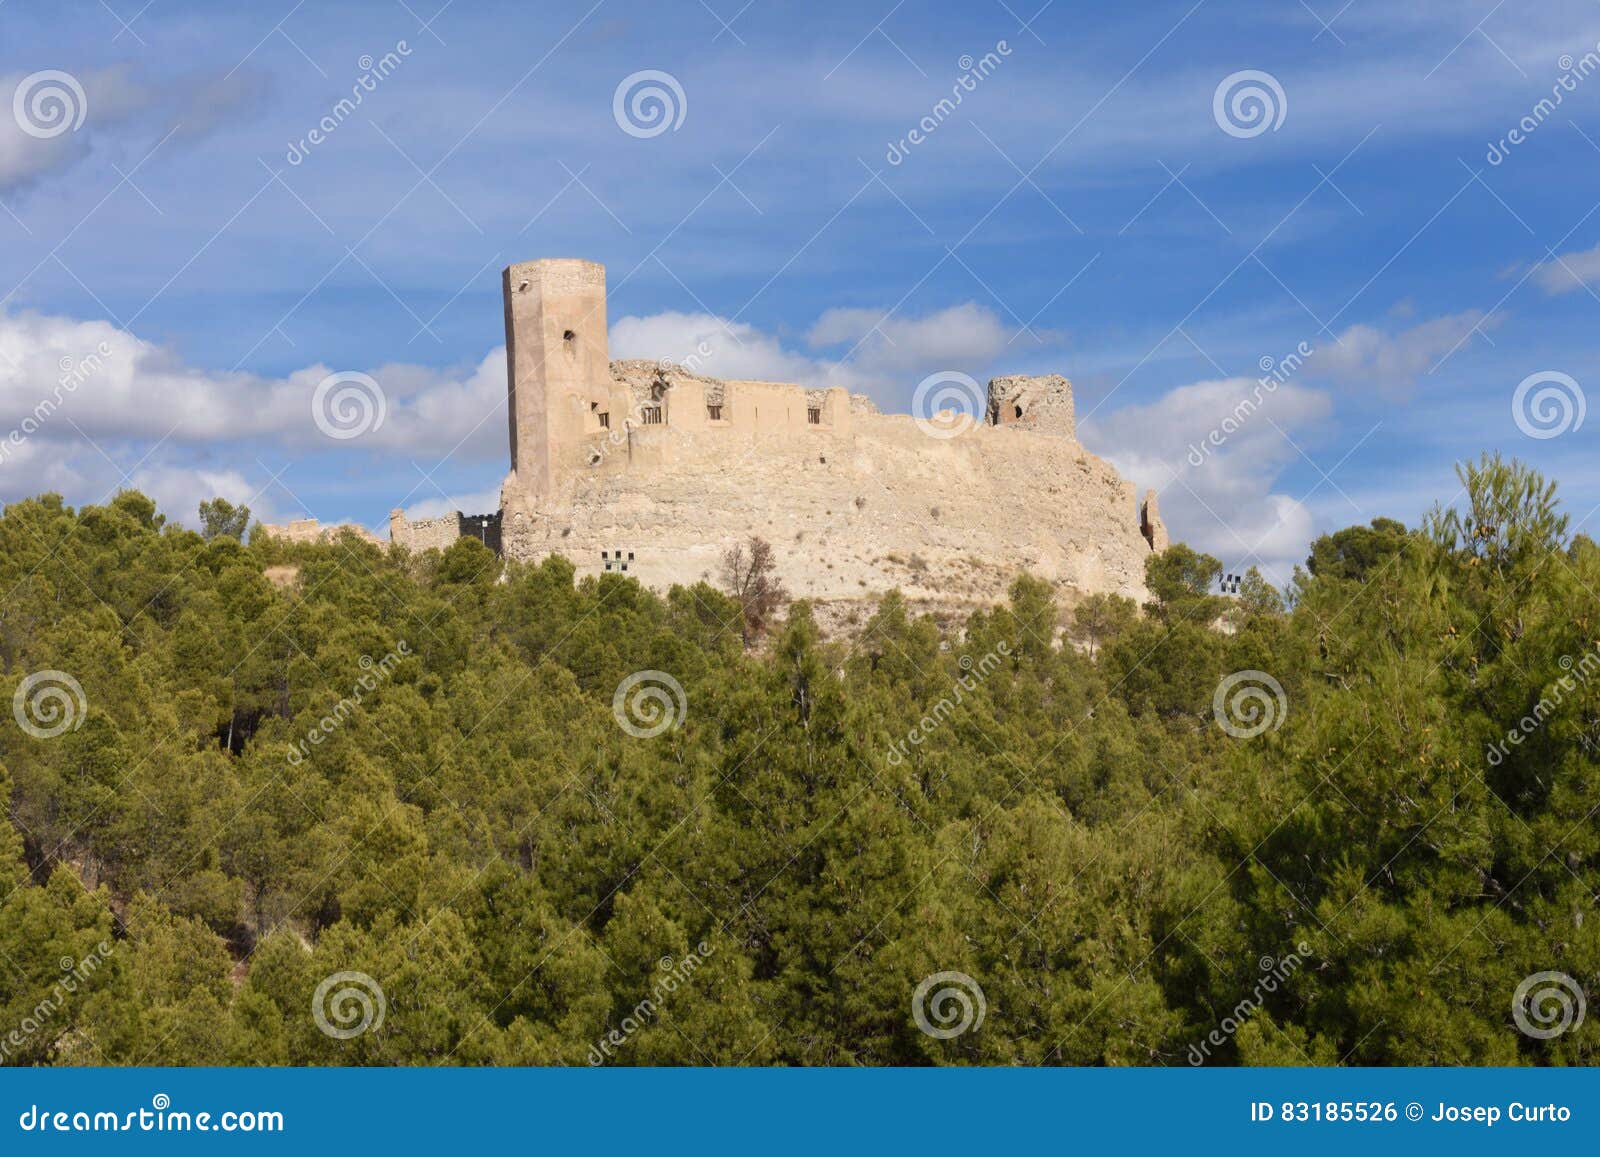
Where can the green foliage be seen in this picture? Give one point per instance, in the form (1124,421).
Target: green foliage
(1357,551)
(409,771)
(220,517)
(1512,516)
(1181,581)
(1102,619)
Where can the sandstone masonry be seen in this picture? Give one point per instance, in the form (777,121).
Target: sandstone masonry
(649,469)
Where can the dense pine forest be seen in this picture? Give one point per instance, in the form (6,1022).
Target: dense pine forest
(331,804)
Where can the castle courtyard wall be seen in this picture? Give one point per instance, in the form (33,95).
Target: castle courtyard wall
(850,513)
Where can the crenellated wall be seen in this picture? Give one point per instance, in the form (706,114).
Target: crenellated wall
(652,469)
(854,502)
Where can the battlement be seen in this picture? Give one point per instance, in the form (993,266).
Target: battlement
(1042,404)
(653,469)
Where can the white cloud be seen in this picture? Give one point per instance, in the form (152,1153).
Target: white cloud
(709,345)
(876,353)
(135,395)
(178,492)
(65,380)
(466,503)
(1220,498)
(1391,363)
(1568,271)
(132,389)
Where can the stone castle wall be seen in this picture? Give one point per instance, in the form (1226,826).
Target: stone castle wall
(310,530)
(424,533)
(850,514)
(653,470)
(438,533)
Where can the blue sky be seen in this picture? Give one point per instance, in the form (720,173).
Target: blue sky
(1082,211)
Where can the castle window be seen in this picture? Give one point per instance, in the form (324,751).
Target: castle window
(650,415)
(814,416)
(714,413)
(605,419)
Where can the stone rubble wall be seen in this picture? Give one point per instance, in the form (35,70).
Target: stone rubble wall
(424,533)
(850,513)
(302,530)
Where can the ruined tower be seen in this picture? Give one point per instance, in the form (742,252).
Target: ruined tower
(557,363)
(654,470)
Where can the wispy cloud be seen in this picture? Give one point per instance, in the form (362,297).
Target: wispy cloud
(1569,271)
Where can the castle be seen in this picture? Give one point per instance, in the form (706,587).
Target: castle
(655,471)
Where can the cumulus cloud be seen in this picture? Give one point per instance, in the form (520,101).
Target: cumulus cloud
(83,396)
(709,345)
(64,379)
(1569,271)
(178,491)
(1214,450)
(1391,363)
(449,504)
(873,352)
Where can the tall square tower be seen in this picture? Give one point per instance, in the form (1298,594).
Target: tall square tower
(558,365)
